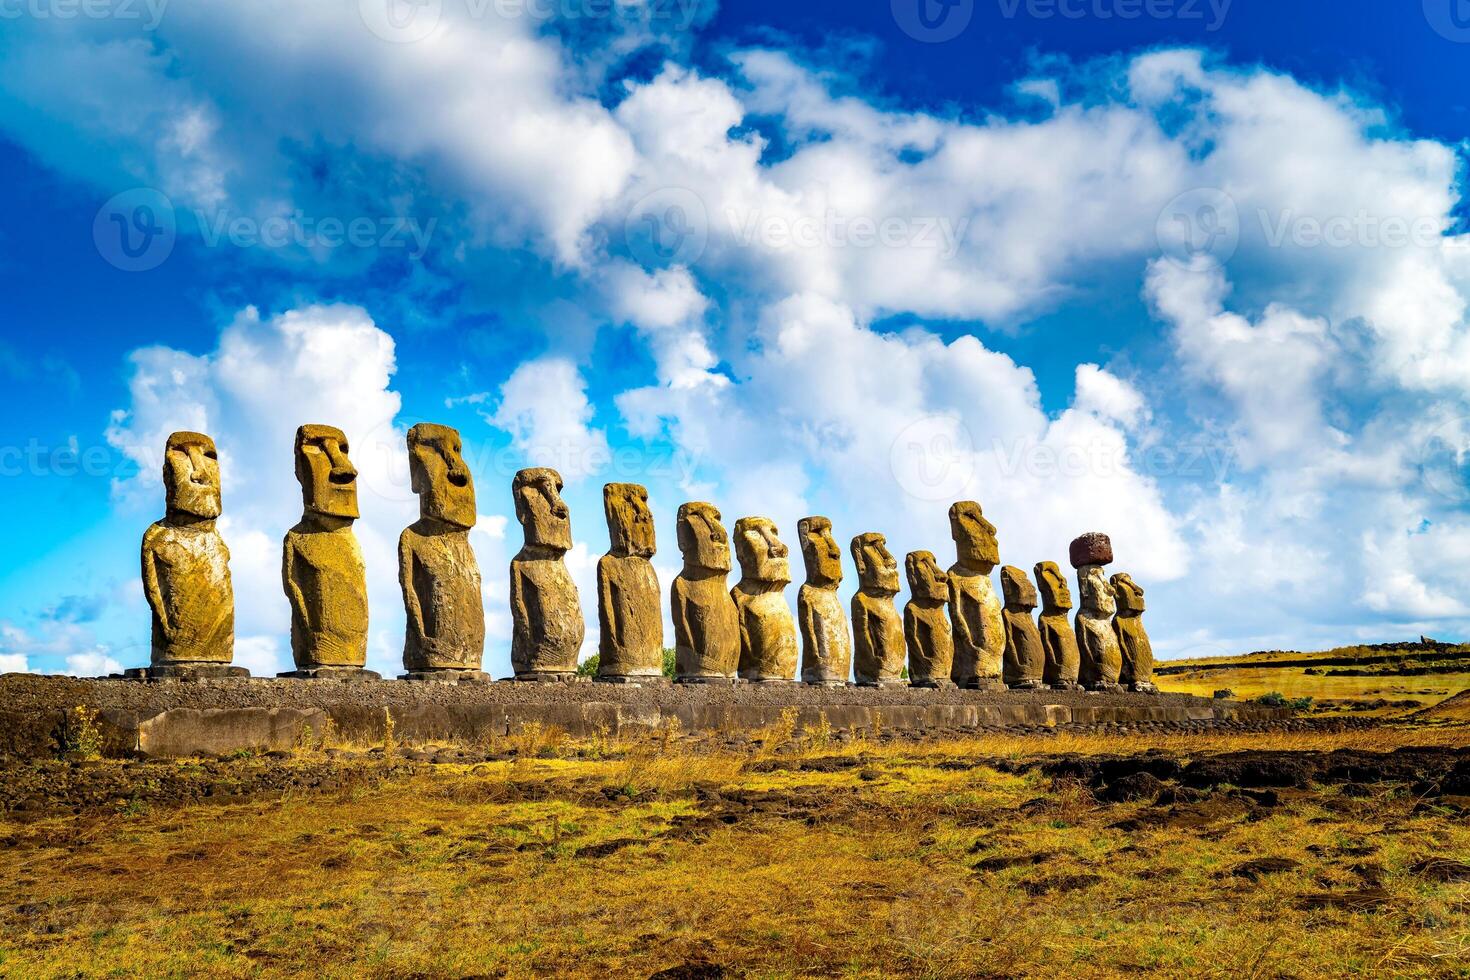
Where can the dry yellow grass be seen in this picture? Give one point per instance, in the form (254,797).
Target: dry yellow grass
(1249,682)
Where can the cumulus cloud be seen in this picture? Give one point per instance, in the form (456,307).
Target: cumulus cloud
(544,407)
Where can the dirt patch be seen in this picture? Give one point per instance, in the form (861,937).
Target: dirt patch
(1441,869)
(1260,867)
(1362,900)
(1059,884)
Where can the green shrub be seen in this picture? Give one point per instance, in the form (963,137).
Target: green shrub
(1275,699)
(588,667)
(1224,692)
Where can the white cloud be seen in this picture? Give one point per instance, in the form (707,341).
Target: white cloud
(13,663)
(92,664)
(544,407)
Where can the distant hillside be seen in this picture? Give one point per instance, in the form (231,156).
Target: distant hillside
(1401,656)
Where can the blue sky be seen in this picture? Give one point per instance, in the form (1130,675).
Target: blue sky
(1189,273)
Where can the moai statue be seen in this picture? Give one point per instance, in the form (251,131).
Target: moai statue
(546,614)
(706,623)
(1057,637)
(630,615)
(826,645)
(878,639)
(1137,672)
(321,564)
(1097,643)
(186,569)
(767,631)
(444,634)
(974,608)
(1025,665)
(926,628)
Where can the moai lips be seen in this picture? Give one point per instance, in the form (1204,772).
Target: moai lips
(767,631)
(975,610)
(878,635)
(546,615)
(826,645)
(1063,661)
(1025,663)
(629,611)
(926,628)
(706,622)
(1137,651)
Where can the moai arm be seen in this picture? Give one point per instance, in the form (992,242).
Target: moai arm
(910,634)
(520,617)
(959,614)
(293,590)
(609,607)
(411,603)
(151,589)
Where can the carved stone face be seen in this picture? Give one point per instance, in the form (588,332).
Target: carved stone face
(877,569)
(1128,594)
(1055,593)
(327,477)
(191,475)
(629,521)
(763,558)
(540,509)
(440,476)
(1019,593)
(926,579)
(974,537)
(820,552)
(702,538)
(1097,593)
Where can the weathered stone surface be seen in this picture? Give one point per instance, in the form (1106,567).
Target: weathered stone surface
(1092,548)
(546,613)
(1025,663)
(878,635)
(186,566)
(706,622)
(926,629)
(1058,640)
(826,645)
(974,608)
(767,631)
(629,610)
(1137,671)
(437,571)
(1096,641)
(321,566)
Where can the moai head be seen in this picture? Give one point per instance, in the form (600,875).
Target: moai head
(439,475)
(974,537)
(1054,591)
(762,555)
(1020,594)
(191,476)
(327,477)
(877,569)
(1097,593)
(1128,594)
(629,521)
(540,509)
(702,538)
(820,552)
(927,581)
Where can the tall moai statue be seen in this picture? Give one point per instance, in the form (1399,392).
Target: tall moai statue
(926,629)
(1057,636)
(546,612)
(186,569)
(321,562)
(826,644)
(1137,672)
(444,632)
(974,608)
(878,637)
(706,623)
(630,616)
(1025,665)
(767,631)
(1102,660)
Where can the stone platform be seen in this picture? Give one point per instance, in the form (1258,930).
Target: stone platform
(173,719)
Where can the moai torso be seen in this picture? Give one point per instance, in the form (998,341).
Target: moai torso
(767,631)
(629,615)
(706,623)
(1058,639)
(926,628)
(1025,663)
(1102,659)
(826,644)
(878,637)
(185,564)
(546,613)
(1137,670)
(321,566)
(974,608)
(437,571)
